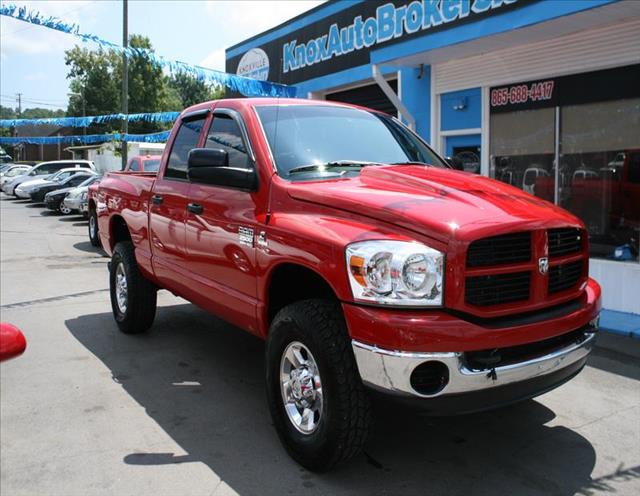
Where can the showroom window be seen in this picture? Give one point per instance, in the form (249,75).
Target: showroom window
(590,125)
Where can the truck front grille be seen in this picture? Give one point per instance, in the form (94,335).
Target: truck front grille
(564,241)
(497,289)
(498,250)
(527,281)
(562,277)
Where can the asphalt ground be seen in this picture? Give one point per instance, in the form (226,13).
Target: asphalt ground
(182,411)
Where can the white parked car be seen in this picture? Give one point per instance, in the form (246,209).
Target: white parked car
(45,169)
(12,172)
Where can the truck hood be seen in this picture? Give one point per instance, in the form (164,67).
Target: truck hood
(435,202)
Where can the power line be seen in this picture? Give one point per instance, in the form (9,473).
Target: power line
(13,101)
(34,99)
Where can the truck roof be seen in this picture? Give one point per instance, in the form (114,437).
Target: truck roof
(256,102)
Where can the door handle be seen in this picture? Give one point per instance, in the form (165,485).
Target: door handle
(194,208)
(157,199)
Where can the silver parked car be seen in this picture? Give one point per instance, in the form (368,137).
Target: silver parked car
(45,169)
(77,197)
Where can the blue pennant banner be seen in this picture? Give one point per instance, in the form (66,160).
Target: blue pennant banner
(243,85)
(91,119)
(89,139)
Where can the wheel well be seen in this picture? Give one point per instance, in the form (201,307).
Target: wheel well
(92,205)
(119,231)
(290,283)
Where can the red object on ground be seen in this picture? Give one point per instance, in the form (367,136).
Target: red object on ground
(12,342)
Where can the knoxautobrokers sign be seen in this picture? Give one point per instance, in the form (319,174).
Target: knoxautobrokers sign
(347,37)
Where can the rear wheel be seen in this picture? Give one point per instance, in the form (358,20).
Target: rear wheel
(133,298)
(64,210)
(317,401)
(94,237)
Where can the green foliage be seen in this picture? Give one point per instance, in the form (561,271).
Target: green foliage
(30,113)
(7,112)
(191,90)
(97,75)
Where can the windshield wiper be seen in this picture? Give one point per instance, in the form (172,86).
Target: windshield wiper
(412,162)
(330,165)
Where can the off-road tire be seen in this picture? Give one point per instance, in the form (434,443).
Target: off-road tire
(141,293)
(346,417)
(94,235)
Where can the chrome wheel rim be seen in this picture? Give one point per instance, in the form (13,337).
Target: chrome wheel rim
(92,226)
(121,288)
(301,388)
(65,210)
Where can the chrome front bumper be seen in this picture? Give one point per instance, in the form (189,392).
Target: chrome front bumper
(390,371)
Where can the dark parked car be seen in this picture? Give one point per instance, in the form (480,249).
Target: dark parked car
(38,194)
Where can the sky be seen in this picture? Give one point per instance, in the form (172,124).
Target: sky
(192,31)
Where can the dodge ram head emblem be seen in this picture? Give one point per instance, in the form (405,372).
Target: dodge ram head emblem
(543,265)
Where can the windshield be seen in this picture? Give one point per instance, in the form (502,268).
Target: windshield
(16,172)
(89,181)
(303,135)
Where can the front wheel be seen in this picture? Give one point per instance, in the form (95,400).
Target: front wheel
(64,210)
(319,406)
(94,237)
(133,298)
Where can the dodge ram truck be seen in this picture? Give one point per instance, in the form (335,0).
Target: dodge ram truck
(366,263)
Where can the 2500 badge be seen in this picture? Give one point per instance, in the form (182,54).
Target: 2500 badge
(522,93)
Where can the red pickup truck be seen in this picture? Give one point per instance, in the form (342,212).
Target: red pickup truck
(366,263)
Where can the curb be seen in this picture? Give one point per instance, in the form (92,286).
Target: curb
(620,323)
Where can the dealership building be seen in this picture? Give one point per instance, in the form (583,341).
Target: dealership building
(512,88)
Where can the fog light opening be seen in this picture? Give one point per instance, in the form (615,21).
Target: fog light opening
(430,378)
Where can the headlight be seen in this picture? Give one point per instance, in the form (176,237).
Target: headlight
(83,196)
(397,273)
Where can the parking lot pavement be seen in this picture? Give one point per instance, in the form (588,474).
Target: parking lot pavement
(182,411)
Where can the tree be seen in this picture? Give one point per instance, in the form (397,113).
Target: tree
(191,90)
(96,76)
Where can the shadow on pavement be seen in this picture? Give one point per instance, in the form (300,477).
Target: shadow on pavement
(616,363)
(201,380)
(87,247)
(71,218)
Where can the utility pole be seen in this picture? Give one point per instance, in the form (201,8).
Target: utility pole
(15,130)
(125,80)
(84,108)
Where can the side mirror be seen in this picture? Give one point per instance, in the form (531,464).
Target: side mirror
(456,163)
(12,342)
(211,166)
(207,157)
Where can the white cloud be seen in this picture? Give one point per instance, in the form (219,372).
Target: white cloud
(215,60)
(19,37)
(248,18)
